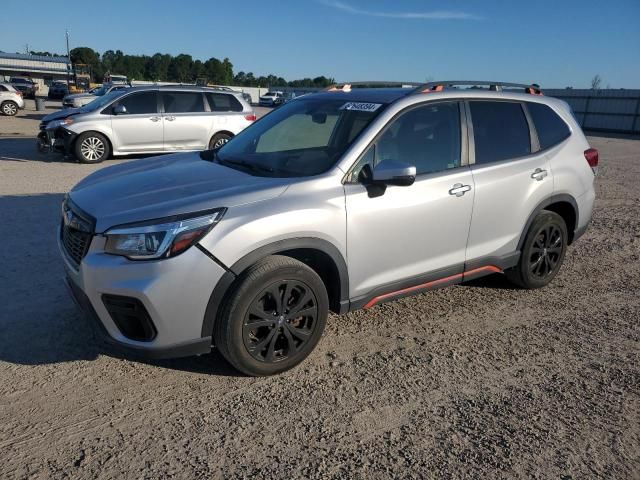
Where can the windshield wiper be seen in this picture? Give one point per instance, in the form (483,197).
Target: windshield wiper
(253,167)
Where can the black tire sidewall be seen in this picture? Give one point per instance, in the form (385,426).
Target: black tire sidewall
(544,219)
(229,337)
(82,137)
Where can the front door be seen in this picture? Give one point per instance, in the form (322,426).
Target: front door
(139,127)
(411,237)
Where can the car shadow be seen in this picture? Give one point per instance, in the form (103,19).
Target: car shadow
(39,322)
(24,149)
(496,281)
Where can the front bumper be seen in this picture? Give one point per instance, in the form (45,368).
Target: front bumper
(55,139)
(175,293)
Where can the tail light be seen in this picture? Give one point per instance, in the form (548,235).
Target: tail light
(251,117)
(591,155)
(19,93)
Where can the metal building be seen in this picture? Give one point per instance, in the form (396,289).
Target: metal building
(42,69)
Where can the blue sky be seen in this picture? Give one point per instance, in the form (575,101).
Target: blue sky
(554,43)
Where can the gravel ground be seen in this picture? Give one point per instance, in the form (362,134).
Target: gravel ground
(475,381)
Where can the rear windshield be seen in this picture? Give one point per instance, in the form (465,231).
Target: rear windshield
(302,138)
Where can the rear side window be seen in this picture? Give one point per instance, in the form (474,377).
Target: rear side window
(500,131)
(140,103)
(3,88)
(550,127)
(222,102)
(183,102)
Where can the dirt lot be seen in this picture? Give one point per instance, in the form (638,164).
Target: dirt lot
(476,381)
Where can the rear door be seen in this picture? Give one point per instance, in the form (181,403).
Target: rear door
(510,180)
(186,120)
(139,129)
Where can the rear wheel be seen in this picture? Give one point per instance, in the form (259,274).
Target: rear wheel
(274,318)
(218,140)
(92,147)
(542,253)
(9,108)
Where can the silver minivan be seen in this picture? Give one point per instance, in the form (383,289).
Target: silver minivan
(336,201)
(146,120)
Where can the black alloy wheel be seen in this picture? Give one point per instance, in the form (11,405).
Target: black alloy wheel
(543,251)
(280,321)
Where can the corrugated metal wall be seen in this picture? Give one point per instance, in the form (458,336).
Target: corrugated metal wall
(603,110)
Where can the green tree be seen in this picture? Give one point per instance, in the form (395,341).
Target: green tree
(180,69)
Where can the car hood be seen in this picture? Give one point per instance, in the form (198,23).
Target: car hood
(79,95)
(163,186)
(64,113)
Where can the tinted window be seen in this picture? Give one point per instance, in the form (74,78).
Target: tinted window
(427,137)
(550,127)
(221,102)
(500,131)
(139,103)
(3,88)
(183,102)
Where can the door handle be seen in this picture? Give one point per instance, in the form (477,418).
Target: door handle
(539,174)
(154,119)
(459,189)
(171,118)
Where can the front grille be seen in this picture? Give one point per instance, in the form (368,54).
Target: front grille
(76,231)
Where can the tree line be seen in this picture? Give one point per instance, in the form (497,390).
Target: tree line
(182,68)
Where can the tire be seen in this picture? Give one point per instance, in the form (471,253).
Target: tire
(257,333)
(542,253)
(218,140)
(92,147)
(9,108)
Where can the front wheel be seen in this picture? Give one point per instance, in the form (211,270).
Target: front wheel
(274,318)
(542,253)
(91,147)
(218,140)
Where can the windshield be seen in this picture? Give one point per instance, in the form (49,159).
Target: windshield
(100,102)
(302,138)
(98,92)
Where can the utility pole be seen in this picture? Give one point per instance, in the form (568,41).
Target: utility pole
(68,59)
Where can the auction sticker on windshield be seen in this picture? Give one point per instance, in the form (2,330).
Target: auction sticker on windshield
(361,106)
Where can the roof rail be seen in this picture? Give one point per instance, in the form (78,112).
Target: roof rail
(533,89)
(347,86)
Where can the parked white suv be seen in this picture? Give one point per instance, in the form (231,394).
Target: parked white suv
(10,100)
(140,120)
(336,201)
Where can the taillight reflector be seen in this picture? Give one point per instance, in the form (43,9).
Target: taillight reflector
(251,117)
(591,155)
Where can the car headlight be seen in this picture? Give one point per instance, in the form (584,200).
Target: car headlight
(169,238)
(60,123)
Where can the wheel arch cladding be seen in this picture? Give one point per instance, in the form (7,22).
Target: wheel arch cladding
(319,255)
(562,204)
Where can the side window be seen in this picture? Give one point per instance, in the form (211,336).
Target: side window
(550,127)
(427,137)
(222,102)
(500,131)
(3,88)
(183,102)
(140,103)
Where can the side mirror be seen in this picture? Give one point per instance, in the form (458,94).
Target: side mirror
(391,172)
(119,110)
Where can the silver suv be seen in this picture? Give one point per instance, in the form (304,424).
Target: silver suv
(142,120)
(77,100)
(337,201)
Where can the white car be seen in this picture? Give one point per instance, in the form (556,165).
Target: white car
(271,99)
(140,120)
(77,100)
(10,100)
